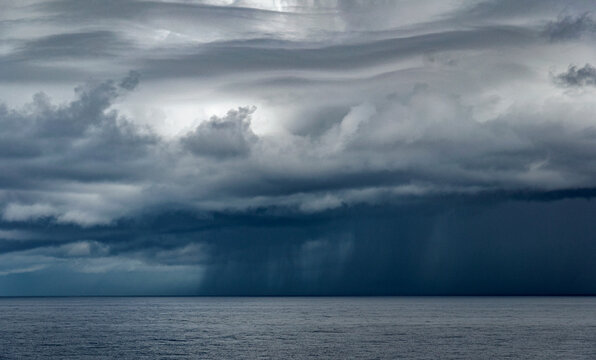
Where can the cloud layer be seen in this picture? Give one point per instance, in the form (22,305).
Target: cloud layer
(199,116)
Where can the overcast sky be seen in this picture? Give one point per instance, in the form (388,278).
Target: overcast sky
(297,147)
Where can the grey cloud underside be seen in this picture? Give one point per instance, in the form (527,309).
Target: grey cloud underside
(75,45)
(225,58)
(569,27)
(221,56)
(84,163)
(577,77)
(447,246)
(428,145)
(507,9)
(230,136)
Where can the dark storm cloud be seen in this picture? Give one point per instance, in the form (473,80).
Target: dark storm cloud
(50,149)
(468,249)
(81,129)
(577,77)
(289,147)
(116,167)
(464,245)
(555,195)
(570,27)
(229,136)
(131,81)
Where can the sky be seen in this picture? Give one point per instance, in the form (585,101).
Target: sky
(284,147)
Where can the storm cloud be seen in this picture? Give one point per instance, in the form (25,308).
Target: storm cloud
(570,27)
(577,77)
(279,147)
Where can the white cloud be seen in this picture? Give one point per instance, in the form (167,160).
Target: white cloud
(24,212)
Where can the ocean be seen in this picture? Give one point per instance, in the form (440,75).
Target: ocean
(298,328)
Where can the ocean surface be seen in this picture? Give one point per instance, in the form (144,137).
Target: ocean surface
(298,328)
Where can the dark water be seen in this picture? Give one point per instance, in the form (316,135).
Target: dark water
(298,328)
